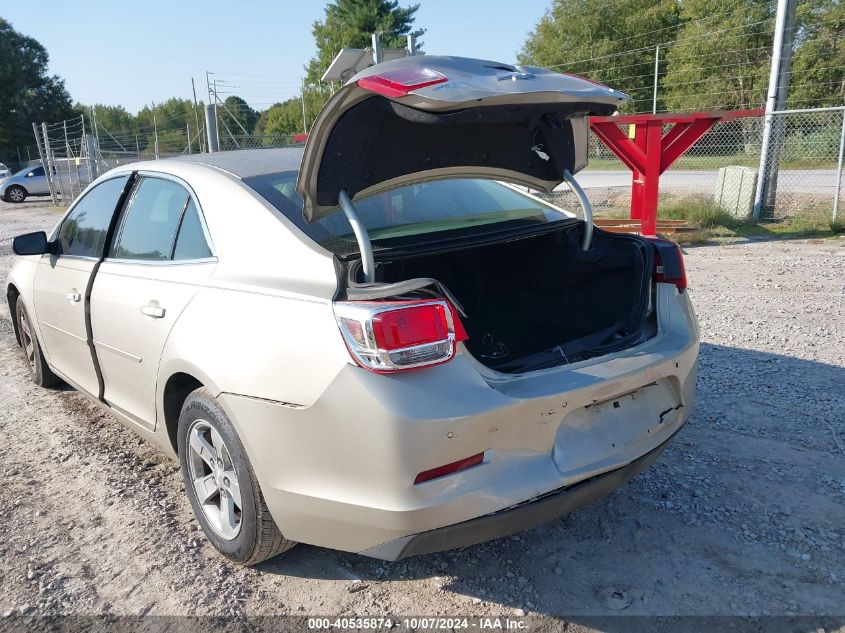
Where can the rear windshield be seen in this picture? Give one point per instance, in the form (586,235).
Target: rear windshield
(429,211)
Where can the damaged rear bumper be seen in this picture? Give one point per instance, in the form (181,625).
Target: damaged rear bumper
(516,519)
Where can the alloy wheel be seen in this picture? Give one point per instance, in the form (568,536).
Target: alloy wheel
(15,194)
(26,340)
(214,479)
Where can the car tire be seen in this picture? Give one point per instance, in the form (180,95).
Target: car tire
(39,370)
(221,484)
(15,193)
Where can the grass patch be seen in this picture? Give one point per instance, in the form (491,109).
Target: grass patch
(699,213)
(714,225)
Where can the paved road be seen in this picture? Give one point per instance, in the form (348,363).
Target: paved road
(795,180)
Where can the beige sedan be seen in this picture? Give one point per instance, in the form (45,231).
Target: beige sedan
(381,344)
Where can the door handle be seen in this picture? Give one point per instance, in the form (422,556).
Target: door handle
(157,312)
(73,296)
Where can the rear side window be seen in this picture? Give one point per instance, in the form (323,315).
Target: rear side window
(83,231)
(191,244)
(413,213)
(160,223)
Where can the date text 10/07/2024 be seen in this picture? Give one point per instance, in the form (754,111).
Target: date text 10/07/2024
(420,624)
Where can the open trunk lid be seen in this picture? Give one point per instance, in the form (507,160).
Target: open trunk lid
(425,117)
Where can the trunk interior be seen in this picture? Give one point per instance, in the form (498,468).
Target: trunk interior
(542,301)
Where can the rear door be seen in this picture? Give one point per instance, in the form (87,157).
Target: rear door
(62,282)
(159,257)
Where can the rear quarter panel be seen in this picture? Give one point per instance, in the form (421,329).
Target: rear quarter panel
(262,325)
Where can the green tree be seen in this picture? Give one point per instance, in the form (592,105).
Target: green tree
(27,93)
(818,68)
(116,119)
(351,23)
(241,113)
(721,55)
(282,118)
(610,42)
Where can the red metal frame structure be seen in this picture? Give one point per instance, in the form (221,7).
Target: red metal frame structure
(651,152)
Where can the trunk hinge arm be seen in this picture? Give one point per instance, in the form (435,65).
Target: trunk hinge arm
(585,204)
(361,236)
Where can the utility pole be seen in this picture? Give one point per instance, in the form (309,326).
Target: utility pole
(378,56)
(188,133)
(155,134)
(656,67)
(95,130)
(197,114)
(216,129)
(412,45)
(302,98)
(211,128)
(766,194)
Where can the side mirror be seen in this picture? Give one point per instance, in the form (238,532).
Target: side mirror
(30,244)
(30,174)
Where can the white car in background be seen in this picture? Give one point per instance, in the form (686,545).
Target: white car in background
(4,171)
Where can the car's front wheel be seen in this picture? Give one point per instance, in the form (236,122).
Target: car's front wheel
(39,370)
(15,193)
(221,485)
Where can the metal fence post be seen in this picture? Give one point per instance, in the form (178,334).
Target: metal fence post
(48,165)
(656,67)
(839,169)
(302,98)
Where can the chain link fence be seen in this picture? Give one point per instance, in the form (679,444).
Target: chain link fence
(719,171)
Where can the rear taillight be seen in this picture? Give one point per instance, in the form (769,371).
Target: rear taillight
(448,469)
(669,265)
(387,336)
(398,83)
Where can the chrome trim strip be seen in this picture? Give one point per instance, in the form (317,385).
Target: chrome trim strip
(160,262)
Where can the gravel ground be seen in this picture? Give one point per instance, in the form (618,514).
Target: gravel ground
(744,514)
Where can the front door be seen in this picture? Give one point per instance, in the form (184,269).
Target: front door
(158,258)
(63,279)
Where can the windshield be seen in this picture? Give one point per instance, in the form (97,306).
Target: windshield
(414,214)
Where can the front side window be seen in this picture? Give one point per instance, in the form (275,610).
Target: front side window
(151,220)
(38,171)
(160,223)
(83,231)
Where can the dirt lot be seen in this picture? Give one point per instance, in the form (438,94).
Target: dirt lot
(743,514)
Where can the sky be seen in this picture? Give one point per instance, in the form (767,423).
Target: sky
(138,53)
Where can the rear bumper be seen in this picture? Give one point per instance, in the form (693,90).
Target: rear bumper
(516,519)
(340,473)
